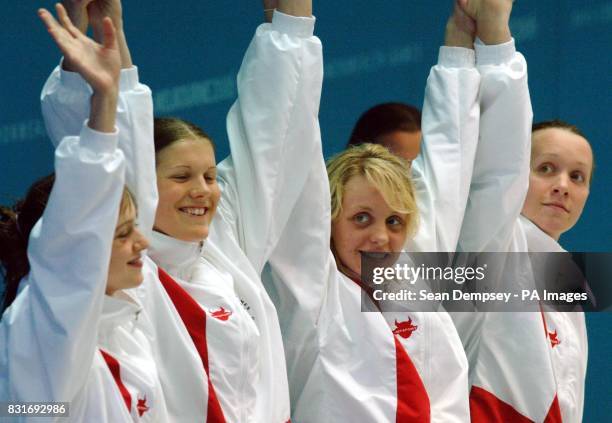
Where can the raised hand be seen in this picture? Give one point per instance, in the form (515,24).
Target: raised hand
(77,12)
(98,64)
(100,9)
(492,18)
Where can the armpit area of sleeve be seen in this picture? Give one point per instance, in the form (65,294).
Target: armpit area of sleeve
(456,57)
(300,26)
(496,54)
(98,142)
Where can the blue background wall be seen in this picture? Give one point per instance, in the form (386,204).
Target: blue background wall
(375,51)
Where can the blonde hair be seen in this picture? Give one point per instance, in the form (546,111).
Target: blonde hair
(388,173)
(127,202)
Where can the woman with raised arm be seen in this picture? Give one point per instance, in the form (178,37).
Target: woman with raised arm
(348,365)
(72,332)
(216,226)
(526,376)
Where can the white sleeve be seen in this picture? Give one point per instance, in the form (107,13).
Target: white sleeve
(273,133)
(48,335)
(65,101)
(443,170)
(501,168)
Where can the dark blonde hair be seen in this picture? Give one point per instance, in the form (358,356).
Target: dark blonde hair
(387,172)
(168,130)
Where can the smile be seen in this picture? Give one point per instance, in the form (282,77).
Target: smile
(194,211)
(137,262)
(375,255)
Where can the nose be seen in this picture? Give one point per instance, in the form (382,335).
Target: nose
(561,185)
(199,188)
(140,243)
(379,236)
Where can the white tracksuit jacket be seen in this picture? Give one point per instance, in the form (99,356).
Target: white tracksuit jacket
(345,365)
(63,339)
(279,87)
(509,354)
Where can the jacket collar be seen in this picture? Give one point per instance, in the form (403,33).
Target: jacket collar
(176,257)
(117,310)
(537,239)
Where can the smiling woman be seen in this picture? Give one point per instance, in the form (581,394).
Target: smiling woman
(186,180)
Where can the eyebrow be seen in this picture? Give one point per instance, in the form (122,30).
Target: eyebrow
(189,167)
(126,223)
(555,155)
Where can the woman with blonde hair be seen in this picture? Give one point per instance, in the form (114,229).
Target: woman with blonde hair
(348,364)
(218,334)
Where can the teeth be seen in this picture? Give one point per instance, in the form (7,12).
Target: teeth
(194,211)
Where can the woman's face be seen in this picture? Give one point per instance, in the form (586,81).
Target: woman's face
(125,268)
(188,190)
(365,224)
(561,166)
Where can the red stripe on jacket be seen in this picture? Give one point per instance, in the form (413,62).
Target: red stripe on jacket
(412,399)
(486,407)
(115,369)
(194,319)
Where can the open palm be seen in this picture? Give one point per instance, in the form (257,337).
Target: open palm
(98,64)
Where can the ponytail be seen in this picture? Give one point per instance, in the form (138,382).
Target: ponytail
(16,223)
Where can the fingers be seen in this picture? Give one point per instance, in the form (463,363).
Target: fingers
(48,19)
(53,27)
(63,18)
(109,34)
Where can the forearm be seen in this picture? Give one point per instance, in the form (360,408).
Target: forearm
(103,111)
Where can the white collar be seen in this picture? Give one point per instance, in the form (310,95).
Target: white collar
(537,239)
(175,256)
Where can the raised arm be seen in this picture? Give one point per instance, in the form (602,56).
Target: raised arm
(443,170)
(273,132)
(50,330)
(65,105)
(501,168)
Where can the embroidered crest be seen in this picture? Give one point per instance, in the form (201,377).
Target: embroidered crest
(404,329)
(142,406)
(221,314)
(554,341)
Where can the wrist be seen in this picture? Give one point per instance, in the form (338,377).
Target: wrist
(493,25)
(456,36)
(299,8)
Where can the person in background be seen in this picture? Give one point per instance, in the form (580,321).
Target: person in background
(396,126)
